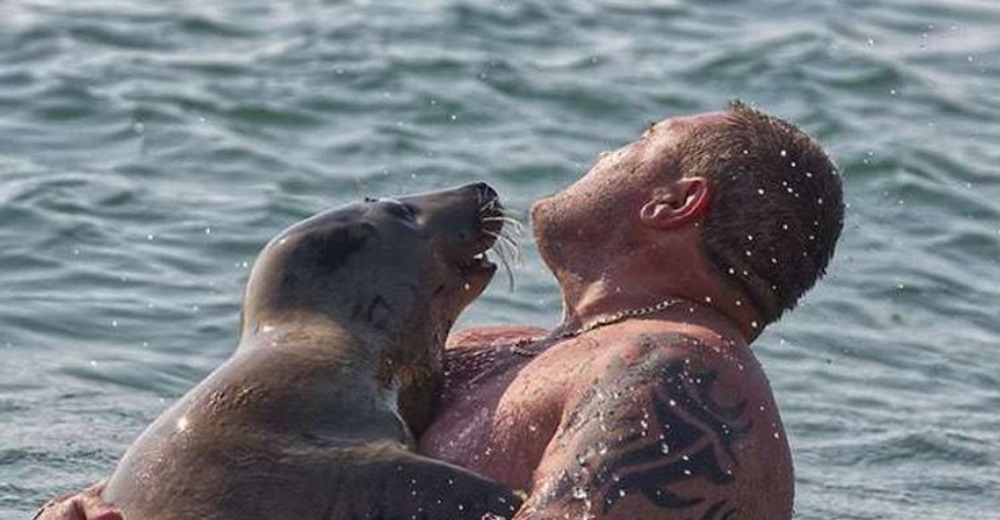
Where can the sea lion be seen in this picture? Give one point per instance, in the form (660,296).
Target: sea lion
(339,360)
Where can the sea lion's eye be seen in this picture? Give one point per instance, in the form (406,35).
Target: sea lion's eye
(404,211)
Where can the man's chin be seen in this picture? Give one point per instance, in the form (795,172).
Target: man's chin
(538,207)
(541,222)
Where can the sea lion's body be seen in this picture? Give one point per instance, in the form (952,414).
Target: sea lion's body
(338,363)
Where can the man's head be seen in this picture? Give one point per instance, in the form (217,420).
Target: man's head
(777,207)
(756,197)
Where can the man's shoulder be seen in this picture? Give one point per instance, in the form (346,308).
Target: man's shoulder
(670,426)
(492,336)
(648,353)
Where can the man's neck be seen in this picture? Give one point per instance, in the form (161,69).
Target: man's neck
(616,292)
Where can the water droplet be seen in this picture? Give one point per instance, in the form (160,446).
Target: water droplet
(208,231)
(753,324)
(150,236)
(760,191)
(750,238)
(114,323)
(138,127)
(871,42)
(784,153)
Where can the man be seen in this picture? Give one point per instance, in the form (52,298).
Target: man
(672,255)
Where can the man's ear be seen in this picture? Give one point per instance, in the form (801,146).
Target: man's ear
(683,202)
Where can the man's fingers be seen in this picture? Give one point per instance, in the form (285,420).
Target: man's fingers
(64,510)
(85,505)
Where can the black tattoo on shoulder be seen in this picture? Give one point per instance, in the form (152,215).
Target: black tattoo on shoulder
(650,426)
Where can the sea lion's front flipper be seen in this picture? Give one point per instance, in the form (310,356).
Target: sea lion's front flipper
(400,485)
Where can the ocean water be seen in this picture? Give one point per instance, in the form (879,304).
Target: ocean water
(149,149)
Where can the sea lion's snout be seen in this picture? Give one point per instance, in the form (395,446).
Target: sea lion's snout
(489,224)
(469,220)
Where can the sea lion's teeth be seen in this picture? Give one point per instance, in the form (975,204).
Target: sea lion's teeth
(478,256)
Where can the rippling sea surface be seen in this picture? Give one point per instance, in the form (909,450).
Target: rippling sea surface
(149,149)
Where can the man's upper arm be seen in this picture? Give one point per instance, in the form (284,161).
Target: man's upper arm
(653,438)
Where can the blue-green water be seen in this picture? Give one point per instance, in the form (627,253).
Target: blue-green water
(149,149)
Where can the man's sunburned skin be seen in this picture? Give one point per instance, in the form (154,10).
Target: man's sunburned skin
(679,432)
(651,421)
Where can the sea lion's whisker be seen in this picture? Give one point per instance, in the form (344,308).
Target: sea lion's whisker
(503,238)
(518,255)
(510,272)
(515,225)
(507,248)
(490,204)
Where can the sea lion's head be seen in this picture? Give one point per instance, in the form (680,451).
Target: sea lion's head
(390,272)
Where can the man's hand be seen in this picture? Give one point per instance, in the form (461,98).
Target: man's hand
(85,505)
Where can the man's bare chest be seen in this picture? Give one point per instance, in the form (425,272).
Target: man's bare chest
(498,419)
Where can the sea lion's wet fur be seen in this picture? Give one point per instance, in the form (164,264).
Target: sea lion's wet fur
(339,360)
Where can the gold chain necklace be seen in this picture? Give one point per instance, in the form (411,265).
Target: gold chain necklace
(622,315)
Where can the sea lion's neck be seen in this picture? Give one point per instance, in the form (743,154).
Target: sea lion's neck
(337,356)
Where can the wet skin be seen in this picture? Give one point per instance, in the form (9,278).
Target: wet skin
(645,419)
(661,417)
(338,364)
